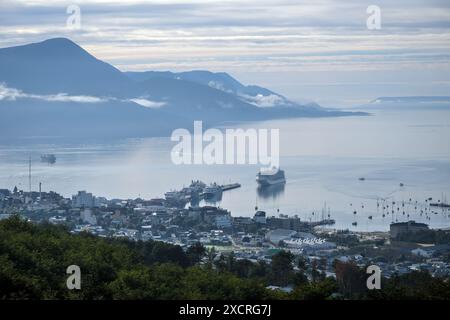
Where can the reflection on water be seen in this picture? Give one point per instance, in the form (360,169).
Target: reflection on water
(270,192)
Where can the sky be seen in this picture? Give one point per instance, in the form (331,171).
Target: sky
(320,50)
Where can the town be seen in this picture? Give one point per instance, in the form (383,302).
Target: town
(179,219)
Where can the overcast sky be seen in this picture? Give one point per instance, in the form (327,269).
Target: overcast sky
(319,49)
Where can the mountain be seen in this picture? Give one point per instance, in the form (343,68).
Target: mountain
(55,87)
(409,102)
(222,81)
(59,65)
(413,99)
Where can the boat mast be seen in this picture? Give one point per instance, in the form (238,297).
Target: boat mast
(29,174)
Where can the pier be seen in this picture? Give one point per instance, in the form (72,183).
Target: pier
(231,186)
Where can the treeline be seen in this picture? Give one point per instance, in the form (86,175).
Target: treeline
(34,258)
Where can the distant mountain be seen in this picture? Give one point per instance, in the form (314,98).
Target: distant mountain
(414,99)
(59,65)
(409,102)
(222,81)
(55,87)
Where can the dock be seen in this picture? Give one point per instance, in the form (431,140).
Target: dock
(231,186)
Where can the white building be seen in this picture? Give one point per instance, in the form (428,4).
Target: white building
(87,217)
(310,244)
(223,221)
(57,220)
(422,253)
(277,235)
(260,217)
(83,199)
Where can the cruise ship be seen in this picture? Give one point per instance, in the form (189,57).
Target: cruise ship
(270,177)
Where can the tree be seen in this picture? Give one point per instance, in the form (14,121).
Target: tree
(195,253)
(211,255)
(301,263)
(281,268)
(321,290)
(350,278)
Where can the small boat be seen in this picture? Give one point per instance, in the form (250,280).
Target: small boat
(354,223)
(402,185)
(48,158)
(370,217)
(362,179)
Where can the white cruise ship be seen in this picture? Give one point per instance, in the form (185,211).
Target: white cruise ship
(270,177)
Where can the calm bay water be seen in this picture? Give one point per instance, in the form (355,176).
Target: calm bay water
(323,159)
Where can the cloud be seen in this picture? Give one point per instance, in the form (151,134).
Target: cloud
(147,103)
(271,100)
(13,94)
(62,97)
(10,93)
(219,86)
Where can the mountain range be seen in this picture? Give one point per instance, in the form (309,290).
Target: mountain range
(56,88)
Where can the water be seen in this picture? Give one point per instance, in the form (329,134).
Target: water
(323,159)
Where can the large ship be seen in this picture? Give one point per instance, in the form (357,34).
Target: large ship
(270,177)
(213,190)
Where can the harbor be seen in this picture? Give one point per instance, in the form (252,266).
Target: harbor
(253,237)
(196,192)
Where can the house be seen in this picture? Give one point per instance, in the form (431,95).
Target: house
(422,253)
(223,221)
(260,217)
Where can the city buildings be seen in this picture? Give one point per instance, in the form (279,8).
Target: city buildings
(254,238)
(399,228)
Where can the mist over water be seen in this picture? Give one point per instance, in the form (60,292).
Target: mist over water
(323,159)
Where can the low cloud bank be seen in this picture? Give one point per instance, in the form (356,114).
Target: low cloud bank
(12,94)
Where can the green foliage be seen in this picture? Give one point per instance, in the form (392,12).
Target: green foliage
(350,278)
(320,290)
(282,268)
(196,253)
(34,258)
(417,285)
